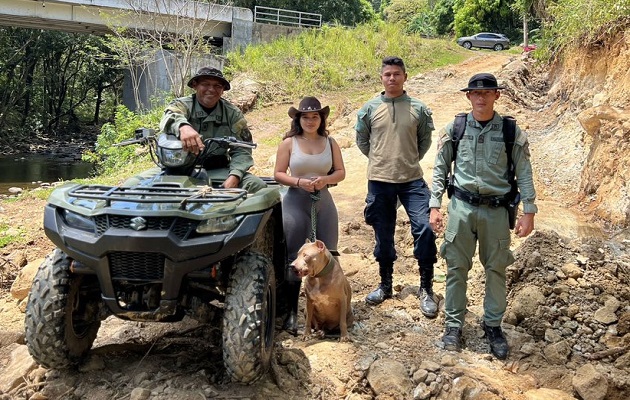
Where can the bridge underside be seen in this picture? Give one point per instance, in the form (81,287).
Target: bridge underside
(94,16)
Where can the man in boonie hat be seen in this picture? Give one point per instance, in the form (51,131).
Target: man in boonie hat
(207,114)
(482,196)
(210,73)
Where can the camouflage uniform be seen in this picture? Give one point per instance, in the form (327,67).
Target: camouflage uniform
(481,169)
(224,120)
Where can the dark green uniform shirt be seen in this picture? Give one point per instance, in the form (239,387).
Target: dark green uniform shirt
(394,133)
(224,120)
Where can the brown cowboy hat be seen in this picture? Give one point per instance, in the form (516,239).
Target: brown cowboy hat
(210,73)
(309,104)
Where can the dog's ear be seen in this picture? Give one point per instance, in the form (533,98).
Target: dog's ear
(308,241)
(320,245)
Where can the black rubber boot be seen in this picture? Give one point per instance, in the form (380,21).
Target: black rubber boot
(428,305)
(384,290)
(498,344)
(293,295)
(452,338)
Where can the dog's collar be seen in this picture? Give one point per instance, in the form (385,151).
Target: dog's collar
(328,268)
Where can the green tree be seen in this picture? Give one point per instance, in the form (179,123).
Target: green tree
(404,11)
(49,82)
(443,17)
(473,16)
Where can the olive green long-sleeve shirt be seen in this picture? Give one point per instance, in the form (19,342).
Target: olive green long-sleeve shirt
(224,120)
(481,165)
(394,133)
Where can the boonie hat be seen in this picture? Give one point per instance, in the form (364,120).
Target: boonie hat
(309,104)
(483,81)
(210,73)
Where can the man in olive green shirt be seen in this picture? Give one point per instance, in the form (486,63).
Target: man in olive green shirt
(394,131)
(206,114)
(477,212)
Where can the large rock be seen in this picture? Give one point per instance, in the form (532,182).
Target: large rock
(607,314)
(589,383)
(390,377)
(547,394)
(20,364)
(526,302)
(557,353)
(465,387)
(22,284)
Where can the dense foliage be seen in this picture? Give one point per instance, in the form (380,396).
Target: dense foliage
(576,23)
(51,84)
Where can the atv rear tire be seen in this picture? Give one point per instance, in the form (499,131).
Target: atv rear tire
(249,318)
(61,319)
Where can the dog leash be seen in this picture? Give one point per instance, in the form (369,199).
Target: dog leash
(314,199)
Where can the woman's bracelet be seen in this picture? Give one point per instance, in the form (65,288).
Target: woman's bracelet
(298,183)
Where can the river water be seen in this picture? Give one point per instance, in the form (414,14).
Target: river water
(29,171)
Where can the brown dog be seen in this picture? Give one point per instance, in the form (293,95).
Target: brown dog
(328,292)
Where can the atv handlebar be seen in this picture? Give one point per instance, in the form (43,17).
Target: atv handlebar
(229,141)
(143,135)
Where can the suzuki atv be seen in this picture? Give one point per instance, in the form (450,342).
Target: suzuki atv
(167,243)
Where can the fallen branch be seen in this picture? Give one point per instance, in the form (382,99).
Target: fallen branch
(609,352)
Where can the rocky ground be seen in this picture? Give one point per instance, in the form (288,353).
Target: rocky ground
(568,319)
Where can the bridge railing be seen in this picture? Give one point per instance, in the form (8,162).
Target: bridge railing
(278,16)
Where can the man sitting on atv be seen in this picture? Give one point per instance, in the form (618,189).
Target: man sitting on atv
(206,114)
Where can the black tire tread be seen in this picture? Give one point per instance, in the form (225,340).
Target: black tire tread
(244,324)
(46,312)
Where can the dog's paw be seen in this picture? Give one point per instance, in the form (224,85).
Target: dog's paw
(345,339)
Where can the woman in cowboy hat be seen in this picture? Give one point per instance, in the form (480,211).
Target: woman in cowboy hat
(315,162)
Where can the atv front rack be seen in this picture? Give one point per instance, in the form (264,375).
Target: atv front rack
(157,194)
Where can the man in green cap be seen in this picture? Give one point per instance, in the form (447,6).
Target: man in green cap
(206,114)
(478,210)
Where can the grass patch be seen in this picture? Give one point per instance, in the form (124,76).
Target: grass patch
(9,234)
(335,58)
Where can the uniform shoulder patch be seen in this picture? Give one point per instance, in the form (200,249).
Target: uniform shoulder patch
(242,130)
(443,138)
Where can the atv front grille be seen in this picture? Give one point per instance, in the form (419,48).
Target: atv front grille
(136,266)
(181,227)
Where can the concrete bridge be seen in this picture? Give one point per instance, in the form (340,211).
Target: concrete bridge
(92,16)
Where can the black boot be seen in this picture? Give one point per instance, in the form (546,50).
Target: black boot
(293,295)
(384,290)
(428,305)
(452,338)
(498,344)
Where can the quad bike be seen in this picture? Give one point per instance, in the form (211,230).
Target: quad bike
(163,245)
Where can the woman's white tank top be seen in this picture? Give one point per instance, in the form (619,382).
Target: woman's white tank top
(309,165)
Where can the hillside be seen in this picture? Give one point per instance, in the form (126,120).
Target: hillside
(568,320)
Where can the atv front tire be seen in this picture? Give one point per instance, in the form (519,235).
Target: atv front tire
(249,318)
(62,318)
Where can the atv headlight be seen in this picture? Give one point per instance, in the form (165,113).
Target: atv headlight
(170,152)
(78,221)
(220,224)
